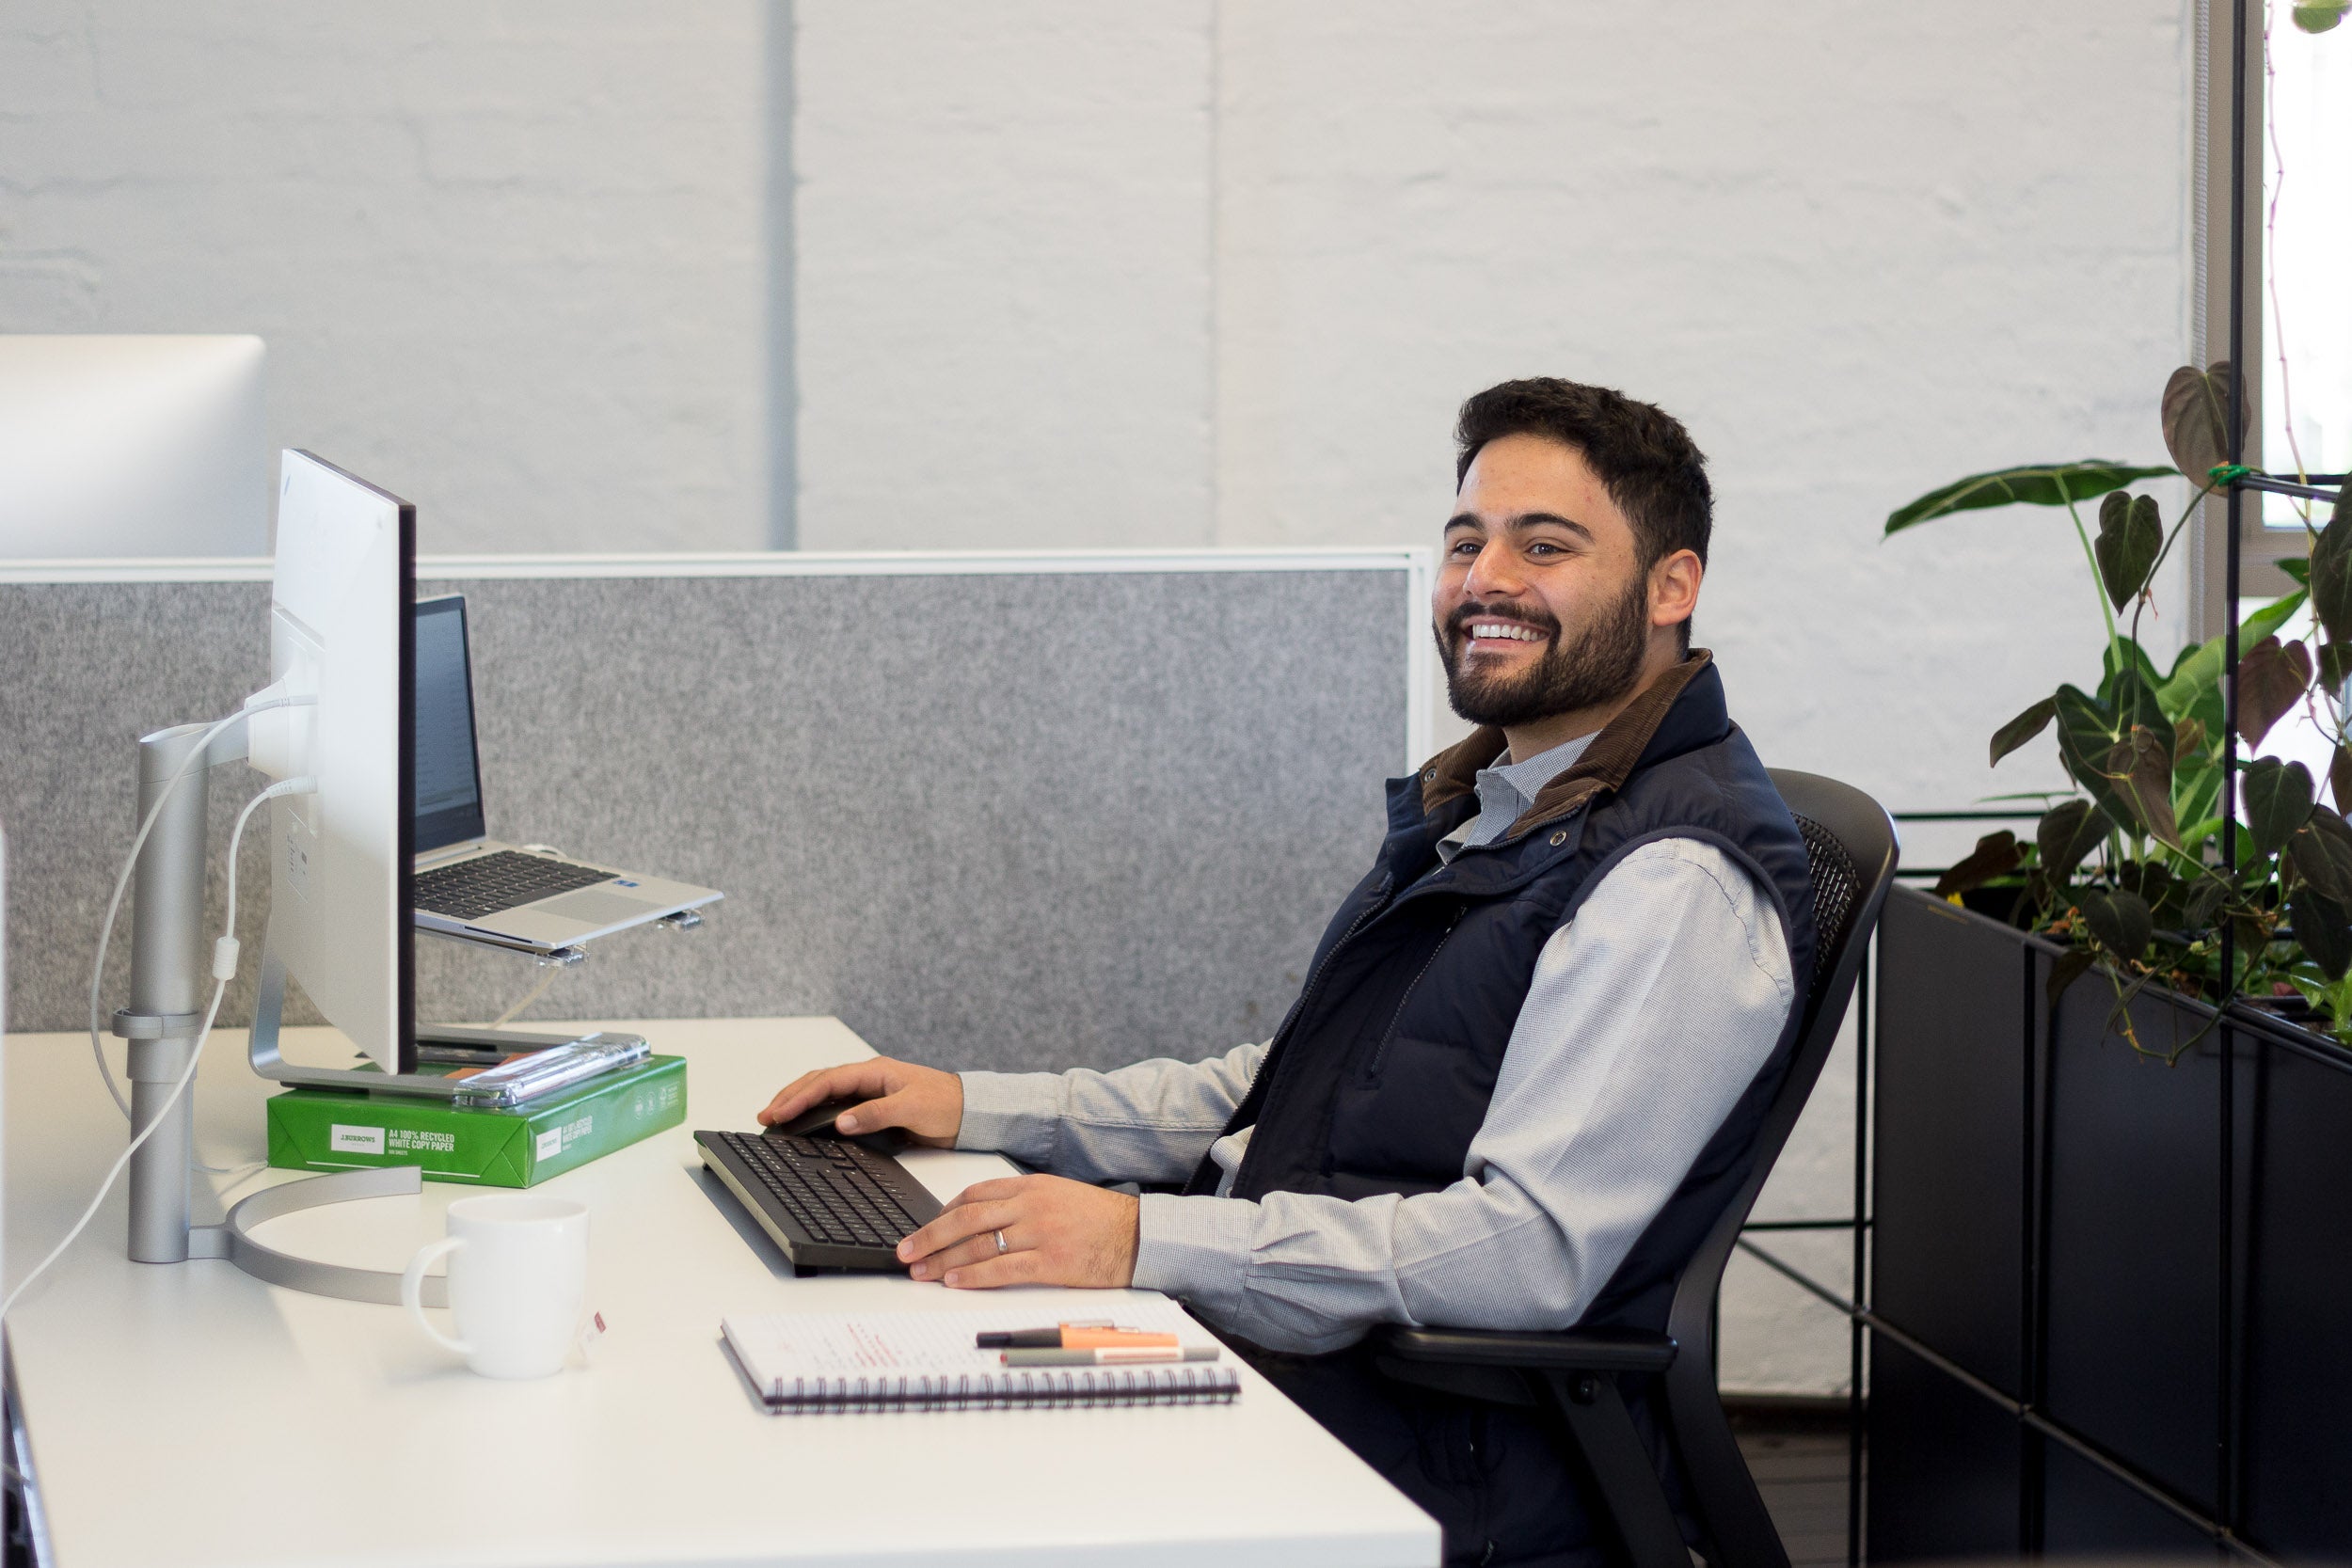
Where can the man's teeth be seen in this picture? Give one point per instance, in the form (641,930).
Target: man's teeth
(1497,628)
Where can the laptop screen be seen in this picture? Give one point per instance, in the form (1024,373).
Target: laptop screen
(447,774)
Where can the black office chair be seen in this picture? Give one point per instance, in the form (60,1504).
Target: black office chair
(1572,1375)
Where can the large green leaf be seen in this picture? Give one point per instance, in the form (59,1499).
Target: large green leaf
(2090,728)
(2023,728)
(2331,571)
(2133,658)
(2040,484)
(2086,732)
(2317,16)
(2142,765)
(2206,901)
(2199,830)
(2278,799)
(2323,929)
(2121,921)
(2197,418)
(2195,794)
(2321,853)
(2271,679)
(2064,835)
(2134,697)
(2070,966)
(2335,666)
(2130,536)
(2193,674)
(2197,671)
(1997,854)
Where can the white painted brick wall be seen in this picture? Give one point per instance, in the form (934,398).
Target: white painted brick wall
(1860,248)
(1188,270)
(510,260)
(1003,288)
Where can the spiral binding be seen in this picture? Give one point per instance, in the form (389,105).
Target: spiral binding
(1012,1390)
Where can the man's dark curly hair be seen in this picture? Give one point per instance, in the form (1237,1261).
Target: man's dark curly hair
(1640,454)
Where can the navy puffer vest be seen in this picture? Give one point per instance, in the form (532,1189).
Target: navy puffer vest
(1381,1074)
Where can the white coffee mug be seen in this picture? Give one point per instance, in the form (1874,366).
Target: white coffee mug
(518,1282)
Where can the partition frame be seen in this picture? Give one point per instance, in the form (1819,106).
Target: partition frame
(1415,561)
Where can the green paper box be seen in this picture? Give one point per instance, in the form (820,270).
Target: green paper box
(338,1129)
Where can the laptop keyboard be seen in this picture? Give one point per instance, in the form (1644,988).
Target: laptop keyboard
(825,1185)
(489,883)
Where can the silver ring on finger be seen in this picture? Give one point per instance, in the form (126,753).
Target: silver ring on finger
(1001,1246)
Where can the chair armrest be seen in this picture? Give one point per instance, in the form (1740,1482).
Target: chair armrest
(1575,1349)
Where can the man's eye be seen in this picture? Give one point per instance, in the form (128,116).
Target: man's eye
(1462,546)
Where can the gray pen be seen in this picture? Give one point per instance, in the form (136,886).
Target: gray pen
(1120,1357)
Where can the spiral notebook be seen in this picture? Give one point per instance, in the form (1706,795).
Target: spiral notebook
(802,1363)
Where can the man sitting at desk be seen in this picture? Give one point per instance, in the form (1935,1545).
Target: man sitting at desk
(1535,1044)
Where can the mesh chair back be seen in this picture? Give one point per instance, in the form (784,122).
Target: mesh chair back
(1836,882)
(1850,842)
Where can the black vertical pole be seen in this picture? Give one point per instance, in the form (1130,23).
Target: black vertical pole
(2037,1079)
(2225,1499)
(1858,1289)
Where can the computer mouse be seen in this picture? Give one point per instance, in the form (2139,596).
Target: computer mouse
(816,1122)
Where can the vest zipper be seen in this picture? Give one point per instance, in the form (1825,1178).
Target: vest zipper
(1380,1052)
(1298,1008)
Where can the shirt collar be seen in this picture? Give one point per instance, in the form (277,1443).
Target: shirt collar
(1506,790)
(1526,779)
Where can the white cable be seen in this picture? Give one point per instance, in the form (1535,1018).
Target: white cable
(224,950)
(106,1185)
(129,864)
(224,969)
(528,997)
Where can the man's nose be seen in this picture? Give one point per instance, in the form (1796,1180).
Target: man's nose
(1493,575)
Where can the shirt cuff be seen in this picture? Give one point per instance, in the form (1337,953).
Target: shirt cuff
(1196,1248)
(1012,1113)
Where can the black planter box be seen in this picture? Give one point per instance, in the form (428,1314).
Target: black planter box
(2050,1214)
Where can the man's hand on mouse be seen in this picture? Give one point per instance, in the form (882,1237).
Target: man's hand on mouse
(929,1103)
(1028,1230)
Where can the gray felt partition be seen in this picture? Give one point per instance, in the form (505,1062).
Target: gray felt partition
(1030,817)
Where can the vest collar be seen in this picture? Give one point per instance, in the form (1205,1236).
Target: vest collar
(1681,709)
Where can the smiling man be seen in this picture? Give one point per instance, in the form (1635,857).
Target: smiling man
(1535,1044)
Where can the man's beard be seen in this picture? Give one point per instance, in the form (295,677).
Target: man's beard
(1597,668)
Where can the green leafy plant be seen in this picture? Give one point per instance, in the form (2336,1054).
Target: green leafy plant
(2127,869)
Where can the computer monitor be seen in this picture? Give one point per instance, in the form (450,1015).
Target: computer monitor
(341,857)
(132,446)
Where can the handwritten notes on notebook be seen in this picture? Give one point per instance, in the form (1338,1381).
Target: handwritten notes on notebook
(807,1362)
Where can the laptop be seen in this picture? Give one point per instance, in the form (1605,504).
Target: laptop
(472,886)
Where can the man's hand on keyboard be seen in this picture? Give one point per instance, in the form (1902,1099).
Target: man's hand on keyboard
(1053,1230)
(929,1103)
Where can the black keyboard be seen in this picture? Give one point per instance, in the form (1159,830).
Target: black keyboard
(505,881)
(828,1202)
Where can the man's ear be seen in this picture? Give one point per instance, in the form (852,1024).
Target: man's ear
(1673,588)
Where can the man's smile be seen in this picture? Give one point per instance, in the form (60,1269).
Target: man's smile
(1497,635)
(1502,631)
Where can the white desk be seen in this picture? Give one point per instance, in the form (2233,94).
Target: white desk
(190,1414)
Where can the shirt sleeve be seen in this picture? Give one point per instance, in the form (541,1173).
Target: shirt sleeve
(1149,1122)
(1647,1017)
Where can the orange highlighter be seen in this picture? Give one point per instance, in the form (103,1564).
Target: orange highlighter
(1086,1336)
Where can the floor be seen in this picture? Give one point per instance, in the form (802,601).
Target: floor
(1797,1458)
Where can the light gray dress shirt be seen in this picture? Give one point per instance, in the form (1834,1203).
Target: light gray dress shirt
(1648,1014)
